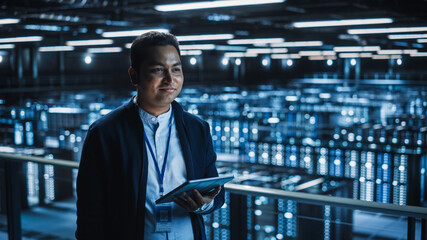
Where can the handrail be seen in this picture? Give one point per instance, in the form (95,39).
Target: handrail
(409,211)
(25,158)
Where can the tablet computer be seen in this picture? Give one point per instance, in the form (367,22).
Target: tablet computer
(203,185)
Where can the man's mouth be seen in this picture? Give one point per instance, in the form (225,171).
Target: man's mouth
(168,89)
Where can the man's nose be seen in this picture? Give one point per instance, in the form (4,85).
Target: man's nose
(168,76)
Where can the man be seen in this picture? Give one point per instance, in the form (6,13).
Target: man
(141,151)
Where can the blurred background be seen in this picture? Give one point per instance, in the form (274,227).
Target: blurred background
(319,108)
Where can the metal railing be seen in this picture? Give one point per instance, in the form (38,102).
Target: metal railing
(12,161)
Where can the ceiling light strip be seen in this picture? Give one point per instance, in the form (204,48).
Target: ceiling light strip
(298,44)
(21,39)
(9,21)
(197,47)
(205,37)
(285,56)
(255,41)
(56,48)
(357,48)
(239,54)
(105,50)
(132,33)
(89,42)
(406,36)
(7,46)
(191,52)
(386,30)
(211,4)
(342,22)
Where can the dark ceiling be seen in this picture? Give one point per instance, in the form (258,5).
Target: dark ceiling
(87,19)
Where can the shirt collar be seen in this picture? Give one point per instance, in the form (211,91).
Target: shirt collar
(151,119)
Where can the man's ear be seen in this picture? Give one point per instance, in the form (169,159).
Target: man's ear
(133,76)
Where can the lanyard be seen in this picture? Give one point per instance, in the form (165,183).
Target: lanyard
(162,173)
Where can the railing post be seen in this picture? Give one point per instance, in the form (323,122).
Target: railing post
(238,217)
(423,229)
(411,228)
(13,200)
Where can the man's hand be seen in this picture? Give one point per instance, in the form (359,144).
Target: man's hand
(193,203)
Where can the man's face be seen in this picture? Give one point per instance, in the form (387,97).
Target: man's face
(160,77)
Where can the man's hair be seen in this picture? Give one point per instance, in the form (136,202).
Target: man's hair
(138,51)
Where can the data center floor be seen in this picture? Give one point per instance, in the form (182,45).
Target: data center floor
(58,222)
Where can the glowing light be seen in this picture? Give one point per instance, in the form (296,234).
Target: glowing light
(211,4)
(193,61)
(132,33)
(224,61)
(56,48)
(238,61)
(21,39)
(88,59)
(342,22)
(89,42)
(205,37)
(9,21)
(386,30)
(255,41)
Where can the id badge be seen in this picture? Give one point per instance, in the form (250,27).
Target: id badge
(164,217)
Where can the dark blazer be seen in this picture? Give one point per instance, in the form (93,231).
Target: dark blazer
(111,183)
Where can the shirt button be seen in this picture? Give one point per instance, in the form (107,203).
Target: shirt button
(153,119)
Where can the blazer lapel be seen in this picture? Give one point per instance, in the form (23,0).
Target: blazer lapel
(183,139)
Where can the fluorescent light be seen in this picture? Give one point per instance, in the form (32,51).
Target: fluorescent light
(7,46)
(211,4)
(52,28)
(315,58)
(317,53)
(279,50)
(285,56)
(132,33)
(266,50)
(56,48)
(239,54)
(89,42)
(105,50)
(424,40)
(197,47)
(9,20)
(255,41)
(419,54)
(386,30)
(191,52)
(407,36)
(342,22)
(298,44)
(386,56)
(357,49)
(390,51)
(230,48)
(205,37)
(21,39)
(355,55)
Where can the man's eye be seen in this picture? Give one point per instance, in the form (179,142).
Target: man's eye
(176,69)
(156,70)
